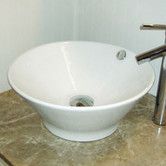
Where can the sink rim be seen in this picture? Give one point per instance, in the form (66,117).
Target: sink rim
(82,109)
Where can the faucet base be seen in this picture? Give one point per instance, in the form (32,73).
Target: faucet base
(157,121)
(159,117)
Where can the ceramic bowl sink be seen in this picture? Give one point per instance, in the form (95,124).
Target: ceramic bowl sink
(80,89)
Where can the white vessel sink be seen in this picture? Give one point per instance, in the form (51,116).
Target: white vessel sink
(58,79)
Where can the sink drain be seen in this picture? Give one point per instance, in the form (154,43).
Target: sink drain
(81,101)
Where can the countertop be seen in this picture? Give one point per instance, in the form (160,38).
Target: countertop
(24,141)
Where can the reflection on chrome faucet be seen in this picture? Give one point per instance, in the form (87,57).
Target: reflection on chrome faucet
(152,54)
(160,108)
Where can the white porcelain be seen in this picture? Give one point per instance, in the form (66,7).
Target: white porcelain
(50,75)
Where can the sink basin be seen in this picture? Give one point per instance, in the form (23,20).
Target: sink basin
(80,89)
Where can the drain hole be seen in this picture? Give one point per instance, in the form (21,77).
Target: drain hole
(81,101)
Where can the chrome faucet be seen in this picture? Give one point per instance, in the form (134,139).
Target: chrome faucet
(159,116)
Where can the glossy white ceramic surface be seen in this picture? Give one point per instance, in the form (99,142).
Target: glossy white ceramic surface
(28,23)
(50,75)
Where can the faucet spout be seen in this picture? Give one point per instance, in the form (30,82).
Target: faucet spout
(153,27)
(151,54)
(159,117)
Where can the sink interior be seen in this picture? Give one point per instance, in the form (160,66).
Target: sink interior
(55,73)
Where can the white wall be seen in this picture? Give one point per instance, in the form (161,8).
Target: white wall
(27,23)
(118,21)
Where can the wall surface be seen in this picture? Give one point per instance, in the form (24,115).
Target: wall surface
(118,21)
(25,24)
(28,23)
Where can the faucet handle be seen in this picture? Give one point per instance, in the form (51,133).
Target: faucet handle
(153,27)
